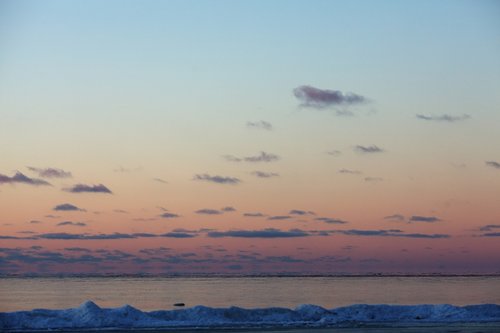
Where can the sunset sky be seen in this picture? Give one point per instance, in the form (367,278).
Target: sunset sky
(249,137)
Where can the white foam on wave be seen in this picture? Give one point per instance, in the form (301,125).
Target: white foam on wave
(90,315)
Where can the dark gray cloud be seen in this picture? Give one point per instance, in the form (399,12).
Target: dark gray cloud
(493,164)
(67,207)
(82,188)
(301,212)
(395,217)
(490,227)
(261,124)
(368,149)
(390,233)
(263,174)
(330,220)
(262,157)
(51,172)
(20,178)
(217,179)
(279,217)
(443,118)
(255,214)
(351,172)
(71,223)
(323,98)
(168,215)
(491,234)
(77,249)
(207,211)
(428,219)
(265,233)
(228,209)
(178,235)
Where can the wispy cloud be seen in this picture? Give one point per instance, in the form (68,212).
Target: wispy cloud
(395,217)
(490,227)
(279,217)
(83,188)
(265,233)
(51,172)
(300,212)
(493,164)
(20,178)
(217,179)
(334,152)
(350,172)
(67,207)
(373,179)
(168,215)
(261,124)
(262,157)
(322,98)
(207,211)
(443,117)
(228,209)
(368,149)
(71,223)
(428,219)
(390,233)
(159,180)
(255,214)
(330,220)
(263,174)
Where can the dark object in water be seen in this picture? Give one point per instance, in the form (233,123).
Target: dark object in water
(179,304)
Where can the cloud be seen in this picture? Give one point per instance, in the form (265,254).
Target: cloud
(395,217)
(318,98)
(490,227)
(368,149)
(116,235)
(228,209)
(493,164)
(428,219)
(279,217)
(67,207)
(265,233)
(126,170)
(231,158)
(159,180)
(168,215)
(443,118)
(22,179)
(261,124)
(81,188)
(262,157)
(301,212)
(256,214)
(491,234)
(373,179)
(120,211)
(330,220)
(263,174)
(207,211)
(390,233)
(51,172)
(178,235)
(75,224)
(334,152)
(217,179)
(350,172)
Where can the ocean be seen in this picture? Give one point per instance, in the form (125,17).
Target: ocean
(154,293)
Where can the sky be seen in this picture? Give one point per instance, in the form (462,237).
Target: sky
(249,137)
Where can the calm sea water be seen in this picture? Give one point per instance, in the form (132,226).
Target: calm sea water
(249,292)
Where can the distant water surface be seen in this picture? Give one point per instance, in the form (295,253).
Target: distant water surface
(153,293)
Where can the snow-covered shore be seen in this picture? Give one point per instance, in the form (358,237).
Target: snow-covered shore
(90,315)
